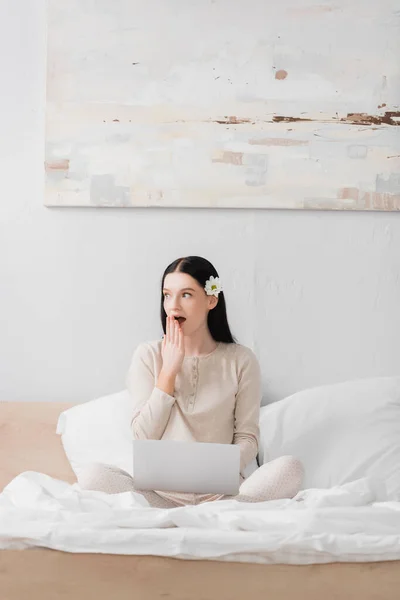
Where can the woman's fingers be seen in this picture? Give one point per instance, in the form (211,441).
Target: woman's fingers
(174,333)
(176,337)
(180,338)
(168,329)
(173,325)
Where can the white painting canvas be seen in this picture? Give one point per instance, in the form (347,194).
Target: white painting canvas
(223,103)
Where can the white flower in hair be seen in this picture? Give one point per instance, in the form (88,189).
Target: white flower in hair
(213,286)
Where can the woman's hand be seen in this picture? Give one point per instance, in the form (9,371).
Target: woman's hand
(172,349)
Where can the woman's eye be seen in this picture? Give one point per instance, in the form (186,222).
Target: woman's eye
(184,294)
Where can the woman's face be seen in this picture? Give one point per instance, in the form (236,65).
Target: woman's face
(184,297)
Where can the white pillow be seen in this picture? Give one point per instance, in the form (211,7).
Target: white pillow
(340,432)
(99,431)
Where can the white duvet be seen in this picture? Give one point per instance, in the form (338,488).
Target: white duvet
(353,522)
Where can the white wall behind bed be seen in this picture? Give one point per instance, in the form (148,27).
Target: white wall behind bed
(315,294)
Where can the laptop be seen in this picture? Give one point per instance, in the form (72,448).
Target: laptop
(191,467)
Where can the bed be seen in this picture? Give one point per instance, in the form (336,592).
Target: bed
(28,442)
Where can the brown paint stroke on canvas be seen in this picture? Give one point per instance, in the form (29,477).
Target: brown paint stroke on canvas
(57,165)
(281,74)
(370,200)
(280,119)
(381,200)
(277,142)
(232,121)
(349,193)
(233,158)
(389,118)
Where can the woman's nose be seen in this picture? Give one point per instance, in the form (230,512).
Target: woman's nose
(174,304)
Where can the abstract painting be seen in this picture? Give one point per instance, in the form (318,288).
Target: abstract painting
(214,103)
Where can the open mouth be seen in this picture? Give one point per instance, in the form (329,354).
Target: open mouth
(180,319)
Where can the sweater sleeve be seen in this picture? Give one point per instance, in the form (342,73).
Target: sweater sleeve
(247,409)
(152,406)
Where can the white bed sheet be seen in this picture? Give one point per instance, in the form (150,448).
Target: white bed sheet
(353,522)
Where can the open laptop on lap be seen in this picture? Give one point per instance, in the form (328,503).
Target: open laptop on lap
(191,467)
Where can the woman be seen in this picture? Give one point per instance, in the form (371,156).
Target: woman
(197,384)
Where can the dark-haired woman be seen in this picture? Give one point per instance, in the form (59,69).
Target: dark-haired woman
(197,384)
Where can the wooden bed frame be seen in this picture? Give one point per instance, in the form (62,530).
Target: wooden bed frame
(28,442)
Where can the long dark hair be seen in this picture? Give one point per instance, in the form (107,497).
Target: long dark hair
(201,269)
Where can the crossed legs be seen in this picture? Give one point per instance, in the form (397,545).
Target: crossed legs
(279,478)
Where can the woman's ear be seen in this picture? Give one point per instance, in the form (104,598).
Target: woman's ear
(212,302)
